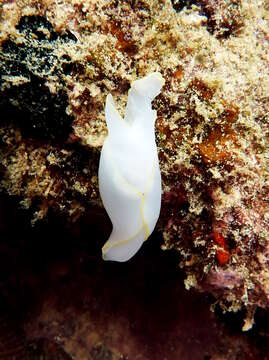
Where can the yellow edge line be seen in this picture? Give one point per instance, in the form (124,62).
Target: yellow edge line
(120,242)
(142,196)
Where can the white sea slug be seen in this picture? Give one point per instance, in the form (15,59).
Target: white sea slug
(129,173)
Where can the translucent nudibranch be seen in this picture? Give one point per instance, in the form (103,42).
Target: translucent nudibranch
(129,173)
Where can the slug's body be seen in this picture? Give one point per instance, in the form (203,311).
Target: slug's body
(129,174)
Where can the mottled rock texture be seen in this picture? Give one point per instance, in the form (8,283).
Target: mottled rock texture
(59,60)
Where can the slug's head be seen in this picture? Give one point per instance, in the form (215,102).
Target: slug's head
(138,111)
(114,121)
(148,87)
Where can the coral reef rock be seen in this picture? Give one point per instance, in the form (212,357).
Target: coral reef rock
(58,62)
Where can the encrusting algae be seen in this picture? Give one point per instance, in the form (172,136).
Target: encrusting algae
(59,61)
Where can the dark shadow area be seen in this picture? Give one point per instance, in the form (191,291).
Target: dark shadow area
(59,299)
(25,68)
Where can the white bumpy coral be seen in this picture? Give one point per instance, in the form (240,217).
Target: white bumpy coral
(129,173)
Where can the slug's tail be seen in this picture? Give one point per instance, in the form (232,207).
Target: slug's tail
(122,250)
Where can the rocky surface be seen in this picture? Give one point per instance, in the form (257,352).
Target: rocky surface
(59,60)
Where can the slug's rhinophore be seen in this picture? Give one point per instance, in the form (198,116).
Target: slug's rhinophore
(129,173)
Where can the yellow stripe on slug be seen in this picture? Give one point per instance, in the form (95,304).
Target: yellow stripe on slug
(142,197)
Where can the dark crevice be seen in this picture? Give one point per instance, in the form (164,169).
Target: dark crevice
(25,67)
(179,5)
